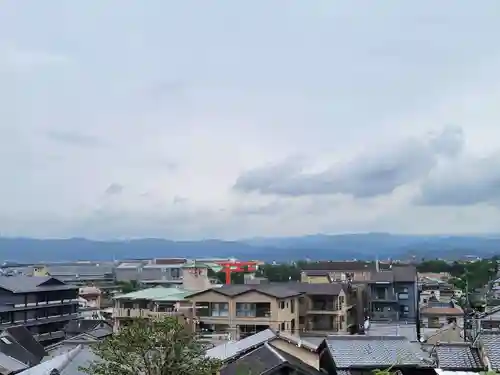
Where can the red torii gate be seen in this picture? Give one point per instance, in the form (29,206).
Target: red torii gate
(228,267)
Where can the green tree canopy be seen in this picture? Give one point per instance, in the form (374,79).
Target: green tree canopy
(152,347)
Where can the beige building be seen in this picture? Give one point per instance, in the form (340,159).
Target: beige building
(441,316)
(241,310)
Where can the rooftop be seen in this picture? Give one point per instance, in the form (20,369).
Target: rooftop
(158,294)
(25,284)
(265,358)
(273,290)
(373,351)
(457,356)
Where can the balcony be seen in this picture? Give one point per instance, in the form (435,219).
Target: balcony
(143,313)
(324,307)
(40,320)
(43,304)
(385,297)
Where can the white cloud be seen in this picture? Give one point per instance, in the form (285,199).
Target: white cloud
(170,104)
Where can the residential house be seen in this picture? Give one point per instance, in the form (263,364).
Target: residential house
(437,315)
(268,352)
(151,303)
(326,307)
(43,304)
(490,320)
(285,307)
(244,309)
(385,291)
(392,294)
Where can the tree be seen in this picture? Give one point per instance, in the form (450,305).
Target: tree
(129,286)
(152,347)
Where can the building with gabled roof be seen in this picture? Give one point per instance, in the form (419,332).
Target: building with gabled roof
(43,304)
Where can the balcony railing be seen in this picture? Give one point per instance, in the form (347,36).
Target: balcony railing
(40,320)
(34,305)
(253,313)
(144,313)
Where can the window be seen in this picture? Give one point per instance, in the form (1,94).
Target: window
(451,319)
(403,296)
(433,322)
(283,326)
(341,301)
(302,320)
(292,306)
(176,273)
(282,305)
(246,309)
(219,309)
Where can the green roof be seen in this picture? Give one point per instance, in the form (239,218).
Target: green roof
(157,294)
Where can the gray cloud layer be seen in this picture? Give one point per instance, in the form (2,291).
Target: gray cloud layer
(462,184)
(368,175)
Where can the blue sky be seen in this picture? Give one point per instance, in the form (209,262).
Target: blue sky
(231,119)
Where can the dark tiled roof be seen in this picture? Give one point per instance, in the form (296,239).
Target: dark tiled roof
(372,351)
(382,276)
(404,273)
(277,291)
(12,348)
(332,289)
(25,284)
(265,358)
(457,356)
(27,341)
(491,344)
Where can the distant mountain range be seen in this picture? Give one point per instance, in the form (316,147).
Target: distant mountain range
(315,247)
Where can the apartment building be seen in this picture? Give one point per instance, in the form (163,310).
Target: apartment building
(151,303)
(43,304)
(393,294)
(286,307)
(389,291)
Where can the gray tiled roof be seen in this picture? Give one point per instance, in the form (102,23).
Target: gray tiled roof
(457,356)
(24,284)
(491,344)
(366,351)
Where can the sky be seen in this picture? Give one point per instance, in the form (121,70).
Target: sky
(232,119)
